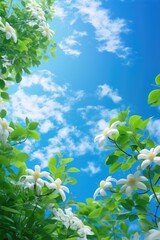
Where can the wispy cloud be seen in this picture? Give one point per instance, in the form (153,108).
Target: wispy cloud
(50,105)
(108,31)
(59,11)
(69,44)
(106,91)
(91,169)
(154,129)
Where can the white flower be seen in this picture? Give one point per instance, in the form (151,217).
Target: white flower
(46,31)
(6,62)
(73,220)
(60,216)
(5,130)
(149,156)
(37,174)
(56,184)
(35,178)
(84,231)
(131,182)
(153,196)
(103,185)
(10,32)
(136,236)
(39,14)
(32,4)
(153,234)
(69,220)
(108,132)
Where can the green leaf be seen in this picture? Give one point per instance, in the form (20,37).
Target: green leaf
(52,165)
(73,169)
(95,213)
(123,216)
(115,167)
(124,227)
(7,209)
(27,121)
(133,217)
(123,115)
(33,134)
(3,113)
(22,156)
(66,160)
(2,83)
(157,79)
(134,121)
(45,58)
(127,205)
(3,70)
(111,159)
(72,180)
(18,78)
(33,125)
(154,98)
(5,95)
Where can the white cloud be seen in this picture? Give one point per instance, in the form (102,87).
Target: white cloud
(106,91)
(46,126)
(71,41)
(91,168)
(44,79)
(59,11)
(97,112)
(54,108)
(154,129)
(108,31)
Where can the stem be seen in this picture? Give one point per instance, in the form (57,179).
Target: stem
(150,181)
(155,215)
(14,144)
(41,195)
(113,141)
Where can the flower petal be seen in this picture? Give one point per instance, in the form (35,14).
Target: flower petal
(62,194)
(97,137)
(157,160)
(122,181)
(157,150)
(145,163)
(142,156)
(129,190)
(37,168)
(102,192)
(111,132)
(96,193)
(141,185)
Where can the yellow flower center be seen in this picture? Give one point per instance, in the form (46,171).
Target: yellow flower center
(4,125)
(36,175)
(151,156)
(102,183)
(8,29)
(131,181)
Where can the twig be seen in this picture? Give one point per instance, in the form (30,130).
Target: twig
(14,144)
(113,141)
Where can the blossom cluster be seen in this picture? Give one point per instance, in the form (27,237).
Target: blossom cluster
(69,220)
(34,181)
(38,14)
(148,157)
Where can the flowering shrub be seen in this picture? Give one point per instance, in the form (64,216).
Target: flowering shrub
(36,204)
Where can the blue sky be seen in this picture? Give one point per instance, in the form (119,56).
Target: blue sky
(106,60)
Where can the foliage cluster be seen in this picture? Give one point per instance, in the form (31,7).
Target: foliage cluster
(33,202)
